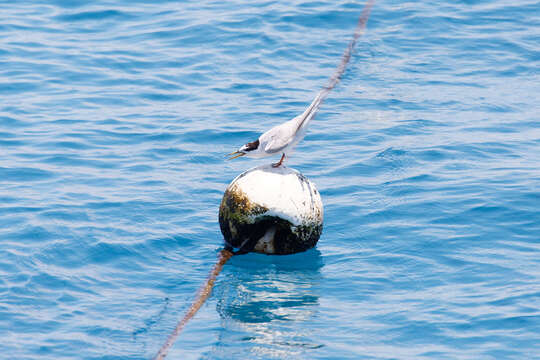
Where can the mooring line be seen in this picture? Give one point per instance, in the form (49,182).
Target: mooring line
(360,28)
(204,293)
(332,82)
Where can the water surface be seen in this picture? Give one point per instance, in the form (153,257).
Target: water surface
(114,120)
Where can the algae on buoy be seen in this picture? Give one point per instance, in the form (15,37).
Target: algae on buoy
(272,211)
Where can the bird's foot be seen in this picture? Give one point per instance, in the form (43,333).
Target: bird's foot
(278,164)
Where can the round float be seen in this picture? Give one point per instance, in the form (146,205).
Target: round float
(272,211)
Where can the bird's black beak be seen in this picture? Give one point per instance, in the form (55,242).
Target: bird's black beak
(236,154)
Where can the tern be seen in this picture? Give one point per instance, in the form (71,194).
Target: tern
(282,138)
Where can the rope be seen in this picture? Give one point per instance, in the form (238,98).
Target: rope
(360,27)
(332,82)
(204,293)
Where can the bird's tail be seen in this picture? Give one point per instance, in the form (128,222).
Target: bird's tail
(321,96)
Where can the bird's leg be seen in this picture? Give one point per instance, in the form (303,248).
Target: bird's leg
(278,164)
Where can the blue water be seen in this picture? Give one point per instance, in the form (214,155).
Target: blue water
(115,117)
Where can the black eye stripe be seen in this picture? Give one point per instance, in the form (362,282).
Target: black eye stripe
(252,145)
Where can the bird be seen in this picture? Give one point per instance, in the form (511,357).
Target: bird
(282,139)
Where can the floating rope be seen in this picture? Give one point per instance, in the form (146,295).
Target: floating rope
(332,82)
(204,293)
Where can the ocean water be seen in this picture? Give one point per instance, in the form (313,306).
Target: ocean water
(115,117)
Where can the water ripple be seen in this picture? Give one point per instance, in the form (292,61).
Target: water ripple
(114,121)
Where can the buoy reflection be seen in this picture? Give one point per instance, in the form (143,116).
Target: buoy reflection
(268,305)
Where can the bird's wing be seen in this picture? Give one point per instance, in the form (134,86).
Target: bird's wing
(278,138)
(276,144)
(303,119)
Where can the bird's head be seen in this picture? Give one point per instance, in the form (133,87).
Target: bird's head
(247,149)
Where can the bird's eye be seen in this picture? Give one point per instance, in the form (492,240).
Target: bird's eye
(252,145)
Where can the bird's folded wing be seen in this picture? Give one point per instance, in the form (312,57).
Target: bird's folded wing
(277,142)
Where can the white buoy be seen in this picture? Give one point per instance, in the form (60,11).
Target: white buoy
(272,211)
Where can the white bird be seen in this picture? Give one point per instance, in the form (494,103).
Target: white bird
(282,138)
